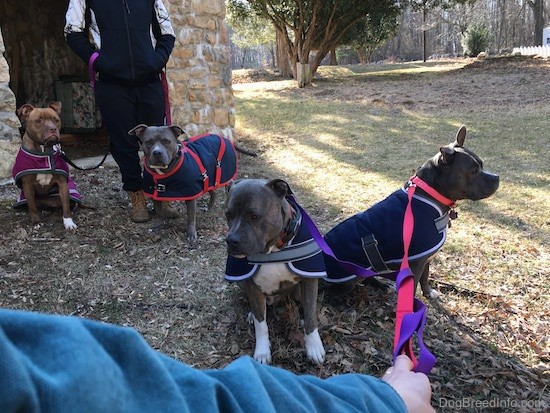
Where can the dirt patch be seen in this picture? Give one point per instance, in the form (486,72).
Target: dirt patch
(254,75)
(150,277)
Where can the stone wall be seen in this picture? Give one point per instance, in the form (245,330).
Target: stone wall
(199,69)
(9,124)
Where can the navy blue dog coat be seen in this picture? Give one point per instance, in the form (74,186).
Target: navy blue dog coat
(301,255)
(374,237)
(204,163)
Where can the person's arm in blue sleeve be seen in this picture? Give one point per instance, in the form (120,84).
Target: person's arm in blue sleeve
(67,364)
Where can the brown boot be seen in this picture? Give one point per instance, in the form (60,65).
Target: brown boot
(165,210)
(139,211)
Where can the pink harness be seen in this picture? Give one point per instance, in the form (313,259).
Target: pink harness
(410,315)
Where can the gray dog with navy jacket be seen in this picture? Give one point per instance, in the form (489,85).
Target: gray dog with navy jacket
(374,238)
(272,253)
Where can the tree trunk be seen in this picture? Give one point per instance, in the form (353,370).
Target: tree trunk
(538,15)
(304,77)
(243,60)
(333,60)
(424,34)
(362,54)
(283,53)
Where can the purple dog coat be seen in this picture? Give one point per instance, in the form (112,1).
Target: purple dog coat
(48,162)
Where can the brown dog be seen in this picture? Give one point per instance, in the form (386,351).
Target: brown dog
(39,170)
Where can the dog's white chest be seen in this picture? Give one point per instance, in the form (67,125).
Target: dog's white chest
(273,277)
(44,179)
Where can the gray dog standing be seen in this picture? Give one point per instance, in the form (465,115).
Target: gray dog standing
(184,170)
(374,238)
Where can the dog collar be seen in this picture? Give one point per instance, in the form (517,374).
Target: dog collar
(416,181)
(45,145)
(291,228)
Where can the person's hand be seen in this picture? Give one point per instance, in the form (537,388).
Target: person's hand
(414,388)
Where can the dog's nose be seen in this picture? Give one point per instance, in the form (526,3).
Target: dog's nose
(232,241)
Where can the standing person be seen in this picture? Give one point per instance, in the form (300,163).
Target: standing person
(127,43)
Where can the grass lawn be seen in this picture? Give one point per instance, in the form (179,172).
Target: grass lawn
(359,132)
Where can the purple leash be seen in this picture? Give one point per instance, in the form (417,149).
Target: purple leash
(411,323)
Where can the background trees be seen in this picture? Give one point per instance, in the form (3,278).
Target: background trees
(306,30)
(311,28)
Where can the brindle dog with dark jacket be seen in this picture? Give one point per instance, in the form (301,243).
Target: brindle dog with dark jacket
(39,170)
(374,238)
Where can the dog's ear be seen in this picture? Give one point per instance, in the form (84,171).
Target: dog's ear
(138,130)
(176,130)
(23,112)
(229,185)
(280,187)
(56,106)
(447,155)
(460,136)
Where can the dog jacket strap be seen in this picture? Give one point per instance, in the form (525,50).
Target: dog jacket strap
(221,152)
(442,222)
(289,253)
(370,247)
(204,173)
(353,268)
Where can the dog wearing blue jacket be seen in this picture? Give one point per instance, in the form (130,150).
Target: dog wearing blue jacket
(373,239)
(271,253)
(175,170)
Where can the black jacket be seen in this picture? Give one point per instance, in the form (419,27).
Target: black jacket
(121,30)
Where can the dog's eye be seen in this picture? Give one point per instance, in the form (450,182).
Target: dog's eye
(475,170)
(253,216)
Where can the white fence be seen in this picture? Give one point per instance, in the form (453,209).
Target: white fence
(543,51)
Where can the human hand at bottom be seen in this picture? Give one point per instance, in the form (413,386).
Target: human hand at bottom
(414,388)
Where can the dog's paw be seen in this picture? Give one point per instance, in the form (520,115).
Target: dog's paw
(69,224)
(314,347)
(433,294)
(262,352)
(35,218)
(262,357)
(192,234)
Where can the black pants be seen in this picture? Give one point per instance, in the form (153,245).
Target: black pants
(122,108)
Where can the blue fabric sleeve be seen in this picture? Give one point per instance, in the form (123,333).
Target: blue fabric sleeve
(58,364)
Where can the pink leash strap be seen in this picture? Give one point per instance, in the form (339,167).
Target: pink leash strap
(165,89)
(410,311)
(91,71)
